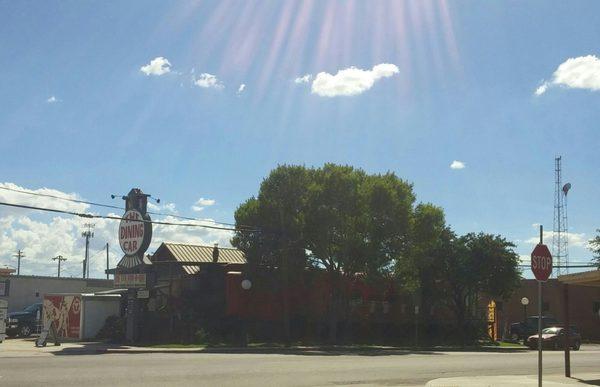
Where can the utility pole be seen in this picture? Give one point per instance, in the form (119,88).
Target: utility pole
(87,235)
(19,255)
(107,262)
(540,307)
(59,258)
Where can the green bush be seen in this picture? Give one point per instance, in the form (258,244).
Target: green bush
(113,329)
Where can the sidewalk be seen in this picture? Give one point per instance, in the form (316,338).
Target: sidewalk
(516,380)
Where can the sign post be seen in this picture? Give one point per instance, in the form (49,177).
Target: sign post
(541,266)
(135,234)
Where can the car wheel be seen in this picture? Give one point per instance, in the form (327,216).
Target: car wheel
(25,331)
(576,346)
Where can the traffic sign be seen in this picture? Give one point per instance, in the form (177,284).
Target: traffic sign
(541,262)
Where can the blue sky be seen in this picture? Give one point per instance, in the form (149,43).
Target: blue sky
(77,114)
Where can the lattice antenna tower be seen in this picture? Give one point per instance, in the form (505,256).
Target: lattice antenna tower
(560,236)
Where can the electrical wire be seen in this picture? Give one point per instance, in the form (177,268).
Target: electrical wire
(111,217)
(61,198)
(120,208)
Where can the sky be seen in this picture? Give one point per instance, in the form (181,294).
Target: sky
(195,102)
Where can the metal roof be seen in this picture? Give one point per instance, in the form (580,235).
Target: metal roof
(196,253)
(586,278)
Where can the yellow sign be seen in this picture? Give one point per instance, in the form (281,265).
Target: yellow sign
(491,311)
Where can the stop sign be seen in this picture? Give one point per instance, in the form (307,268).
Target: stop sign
(541,262)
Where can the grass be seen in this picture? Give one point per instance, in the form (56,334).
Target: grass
(506,344)
(176,345)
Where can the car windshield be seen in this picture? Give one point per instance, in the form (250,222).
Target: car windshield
(553,331)
(31,308)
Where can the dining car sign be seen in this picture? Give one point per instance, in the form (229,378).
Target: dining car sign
(133,233)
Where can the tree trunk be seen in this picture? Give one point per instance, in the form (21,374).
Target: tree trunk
(459,305)
(334,308)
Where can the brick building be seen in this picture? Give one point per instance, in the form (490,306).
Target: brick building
(584,306)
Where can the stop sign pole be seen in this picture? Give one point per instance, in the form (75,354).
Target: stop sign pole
(541,265)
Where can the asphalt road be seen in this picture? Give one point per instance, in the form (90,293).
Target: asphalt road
(277,369)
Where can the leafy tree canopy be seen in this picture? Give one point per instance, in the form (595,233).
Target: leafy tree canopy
(595,248)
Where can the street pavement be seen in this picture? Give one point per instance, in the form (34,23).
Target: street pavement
(96,365)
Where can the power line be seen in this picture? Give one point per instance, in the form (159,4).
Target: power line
(92,216)
(61,198)
(87,235)
(19,255)
(59,258)
(119,208)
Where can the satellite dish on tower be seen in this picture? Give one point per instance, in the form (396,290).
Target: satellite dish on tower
(566,188)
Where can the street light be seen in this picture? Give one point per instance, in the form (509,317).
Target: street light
(246,284)
(524,302)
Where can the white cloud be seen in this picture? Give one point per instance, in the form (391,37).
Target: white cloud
(169,207)
(582,72)
(351,81)
(157,66)
(201,203)
(241,88)
(42,236)
(38,201)
(303,79)
(457,165)
(208,81)
(52,99)
(525,259)
(542,89)
(574,239)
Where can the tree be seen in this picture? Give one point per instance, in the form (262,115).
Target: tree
(355,223)
(595,248)
(478,264)
(270,227)
(419,269)
(273,222)
(335,218)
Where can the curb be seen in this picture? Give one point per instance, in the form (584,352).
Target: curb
(307,350)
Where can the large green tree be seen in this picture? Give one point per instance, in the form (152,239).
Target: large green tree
(477,264)
(337,218)
(418,270)
(355,223)
(270,227)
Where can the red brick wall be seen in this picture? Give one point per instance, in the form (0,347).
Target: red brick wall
(581,303)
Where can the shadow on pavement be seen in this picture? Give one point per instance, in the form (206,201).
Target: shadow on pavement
(595,382)
(319,351)
(108,348)
(85,348)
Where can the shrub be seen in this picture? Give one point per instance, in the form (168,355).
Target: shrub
(113,329)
